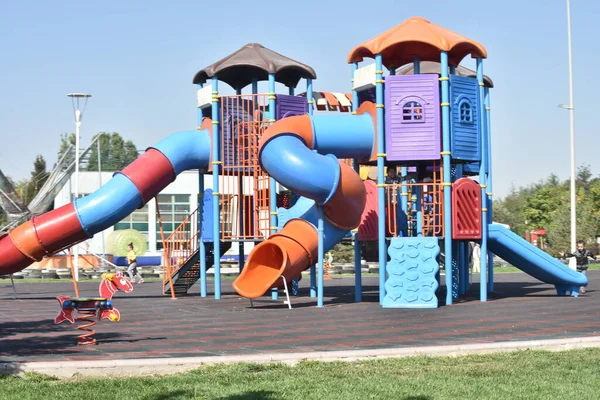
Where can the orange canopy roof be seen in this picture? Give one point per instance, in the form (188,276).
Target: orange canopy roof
(417,37)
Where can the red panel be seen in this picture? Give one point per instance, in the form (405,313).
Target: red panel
(466,209)
(59,228)
(150,173)
(12,259)
(367,230)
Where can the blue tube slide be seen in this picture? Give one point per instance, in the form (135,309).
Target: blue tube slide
(531,260)
(316,176)
(119,197)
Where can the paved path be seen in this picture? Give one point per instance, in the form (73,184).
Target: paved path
(153,326)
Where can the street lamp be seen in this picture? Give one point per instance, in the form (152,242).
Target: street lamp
(75,100)
(570,108)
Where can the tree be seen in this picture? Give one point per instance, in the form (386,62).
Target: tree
(115,153)
(28,188)
(67,140)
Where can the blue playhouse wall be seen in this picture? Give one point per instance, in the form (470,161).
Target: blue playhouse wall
(413,272)
(465,139)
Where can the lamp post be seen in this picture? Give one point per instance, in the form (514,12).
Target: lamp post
(75,100)
(570,107)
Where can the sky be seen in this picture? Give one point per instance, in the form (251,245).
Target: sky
(138,58)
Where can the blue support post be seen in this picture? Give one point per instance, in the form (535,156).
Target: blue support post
(490,192)
(380,176)
(216,164)
(313,281)
(254,86)
(482,182)
(309,96)
(291,91)
(321,276)
(201,246)
(446,179)
(357,255)
(272,183)
(416,65)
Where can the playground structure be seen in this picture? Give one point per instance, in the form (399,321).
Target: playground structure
(428,116)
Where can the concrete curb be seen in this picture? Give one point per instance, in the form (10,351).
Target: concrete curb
(165,366)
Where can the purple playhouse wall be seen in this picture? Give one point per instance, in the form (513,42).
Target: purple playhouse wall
(288,106)
(412,117)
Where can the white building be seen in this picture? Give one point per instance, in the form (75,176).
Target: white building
(176,202)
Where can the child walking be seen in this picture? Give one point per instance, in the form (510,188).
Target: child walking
(132,269)
(581,256)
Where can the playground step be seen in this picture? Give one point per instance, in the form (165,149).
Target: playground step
(189,272)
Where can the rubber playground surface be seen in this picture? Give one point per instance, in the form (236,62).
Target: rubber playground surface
(154,326)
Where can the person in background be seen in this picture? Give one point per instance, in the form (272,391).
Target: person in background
(581,256)
(132,260)
(476,258)
(392,176)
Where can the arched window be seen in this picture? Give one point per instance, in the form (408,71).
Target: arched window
(466,112)
(412,111)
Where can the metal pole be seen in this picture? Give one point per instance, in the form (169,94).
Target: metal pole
(77,129)
(572,123)
(100,180)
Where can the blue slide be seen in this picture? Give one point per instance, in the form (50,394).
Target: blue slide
(535,262)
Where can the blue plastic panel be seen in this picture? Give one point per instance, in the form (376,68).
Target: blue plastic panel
(412,273)
(207,216)
(466,135)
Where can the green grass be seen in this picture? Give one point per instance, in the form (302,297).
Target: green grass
(518,375)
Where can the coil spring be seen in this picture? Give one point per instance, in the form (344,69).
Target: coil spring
(86,315)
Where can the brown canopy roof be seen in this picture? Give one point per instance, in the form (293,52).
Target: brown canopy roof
(417,37)
(255,61)
(432,67)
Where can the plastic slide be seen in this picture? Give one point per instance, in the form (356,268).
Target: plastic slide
(128,190)
(287,153)
(535,262)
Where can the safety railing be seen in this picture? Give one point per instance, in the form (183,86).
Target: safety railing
(423,207)
(244,186)
(180,245)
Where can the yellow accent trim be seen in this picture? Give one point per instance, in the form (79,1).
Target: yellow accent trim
(445,104)
(381,154)
(272,98)
(381,185)
(352,80)
(445,78)
(215,92)
(271,120)
(379,71)
(446,183)
(273,213)
(353,112)
(273,228)
(271,93)
(445,153)
(353,89)
(354,230)
(379,105)
(379,81)
(488,108)
(216,193)
(311,102)
(483,209)
(216,163)
(215,100)
(215,122)
(481,84)
(483,186)
(403,194)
